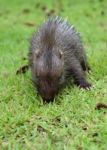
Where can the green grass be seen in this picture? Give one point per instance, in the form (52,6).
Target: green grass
(71,122)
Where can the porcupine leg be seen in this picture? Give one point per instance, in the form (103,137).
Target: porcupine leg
(78,74)
(85,65)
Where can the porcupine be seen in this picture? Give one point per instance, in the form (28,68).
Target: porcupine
(57,53)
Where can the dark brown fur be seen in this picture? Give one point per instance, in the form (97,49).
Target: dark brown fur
(56,53)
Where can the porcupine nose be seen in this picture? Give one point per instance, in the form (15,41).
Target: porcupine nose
(48,99)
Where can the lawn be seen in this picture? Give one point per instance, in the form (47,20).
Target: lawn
(72,121)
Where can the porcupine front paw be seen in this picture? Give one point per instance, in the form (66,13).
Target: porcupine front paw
(83,84)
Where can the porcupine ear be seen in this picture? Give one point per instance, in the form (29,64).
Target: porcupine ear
(36,53)
(61,54)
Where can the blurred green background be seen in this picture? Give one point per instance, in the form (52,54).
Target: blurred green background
(71,122)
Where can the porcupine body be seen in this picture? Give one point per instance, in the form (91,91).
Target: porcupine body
(57,53)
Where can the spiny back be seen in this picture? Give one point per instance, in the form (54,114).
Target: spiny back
(52,32)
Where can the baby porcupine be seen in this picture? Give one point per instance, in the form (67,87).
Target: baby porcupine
(56,53)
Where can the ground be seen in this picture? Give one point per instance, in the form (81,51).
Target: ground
(72,121)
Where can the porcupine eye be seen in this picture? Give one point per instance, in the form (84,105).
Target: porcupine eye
(59,78)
